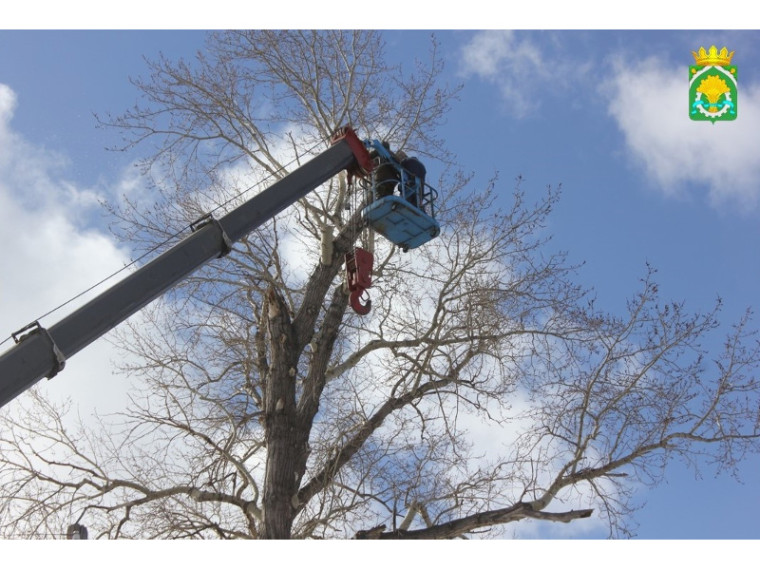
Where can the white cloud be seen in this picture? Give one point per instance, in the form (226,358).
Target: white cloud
(489,51)
(649,102)
(7,103)
(49,254)
(526,67)
(514,65)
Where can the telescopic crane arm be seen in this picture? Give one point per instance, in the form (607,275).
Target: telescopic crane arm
(41,352)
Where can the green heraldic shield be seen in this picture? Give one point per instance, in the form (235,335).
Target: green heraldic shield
(712,86)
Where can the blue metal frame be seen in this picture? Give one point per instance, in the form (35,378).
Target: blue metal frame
(397,217)
(400,222)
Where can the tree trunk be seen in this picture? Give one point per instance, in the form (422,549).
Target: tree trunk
(288,423)
(285,438)
(283,475)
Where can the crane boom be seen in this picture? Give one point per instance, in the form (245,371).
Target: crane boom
(42,352)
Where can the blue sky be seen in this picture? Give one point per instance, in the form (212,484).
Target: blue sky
(603,113)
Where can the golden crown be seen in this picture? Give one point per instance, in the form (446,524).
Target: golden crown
(713,57)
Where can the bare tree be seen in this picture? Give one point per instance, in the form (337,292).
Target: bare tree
(267,410)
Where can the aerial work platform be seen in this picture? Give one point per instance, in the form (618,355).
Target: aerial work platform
(401,222)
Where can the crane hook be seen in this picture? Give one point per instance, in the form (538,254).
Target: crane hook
(356,302)
(359,277)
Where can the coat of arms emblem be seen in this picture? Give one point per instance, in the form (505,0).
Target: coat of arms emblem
(712,86)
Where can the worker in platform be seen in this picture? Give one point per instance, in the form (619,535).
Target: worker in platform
(386,175)
(413,166)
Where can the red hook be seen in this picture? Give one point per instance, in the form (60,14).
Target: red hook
(356,302)
(359,277)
